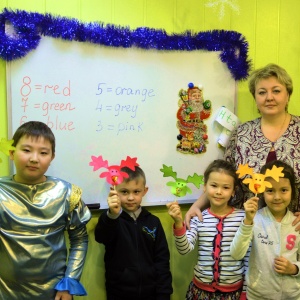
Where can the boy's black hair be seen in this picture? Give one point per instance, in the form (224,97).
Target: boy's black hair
(221,165)
(287,171)
(135,174)
(35,129)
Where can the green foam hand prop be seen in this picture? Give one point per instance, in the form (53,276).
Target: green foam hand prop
(179,187)
(6,146)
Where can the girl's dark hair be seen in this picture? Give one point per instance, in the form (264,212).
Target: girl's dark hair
(135,174)
(221,165)
(287,171)
(35,129)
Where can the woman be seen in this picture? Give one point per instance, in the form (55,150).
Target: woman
(274,135)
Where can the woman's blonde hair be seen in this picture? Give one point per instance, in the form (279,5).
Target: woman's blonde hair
(270,70)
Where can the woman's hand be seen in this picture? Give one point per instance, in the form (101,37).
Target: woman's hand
(195,210)
(297,221)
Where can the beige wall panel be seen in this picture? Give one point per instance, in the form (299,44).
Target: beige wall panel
(289,47)
(32,5)
(129,13)
(190,18)
(267,32)
(97,11)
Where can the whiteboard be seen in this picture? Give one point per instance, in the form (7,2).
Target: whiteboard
(116,103)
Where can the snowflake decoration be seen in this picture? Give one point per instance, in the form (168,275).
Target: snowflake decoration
(221,4)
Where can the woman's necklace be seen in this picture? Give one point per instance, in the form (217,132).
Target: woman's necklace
(279,132)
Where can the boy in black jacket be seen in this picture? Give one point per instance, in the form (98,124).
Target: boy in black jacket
(137,258)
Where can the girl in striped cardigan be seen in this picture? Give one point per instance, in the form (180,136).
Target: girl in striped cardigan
(216,274)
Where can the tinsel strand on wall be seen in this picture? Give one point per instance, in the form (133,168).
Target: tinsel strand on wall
(29,27)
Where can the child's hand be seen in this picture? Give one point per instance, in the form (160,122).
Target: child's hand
(63,295)
(284,266)
(114,203)
(251,207)
(175,212)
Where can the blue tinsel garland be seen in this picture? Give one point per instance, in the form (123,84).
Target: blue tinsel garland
(29,27)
